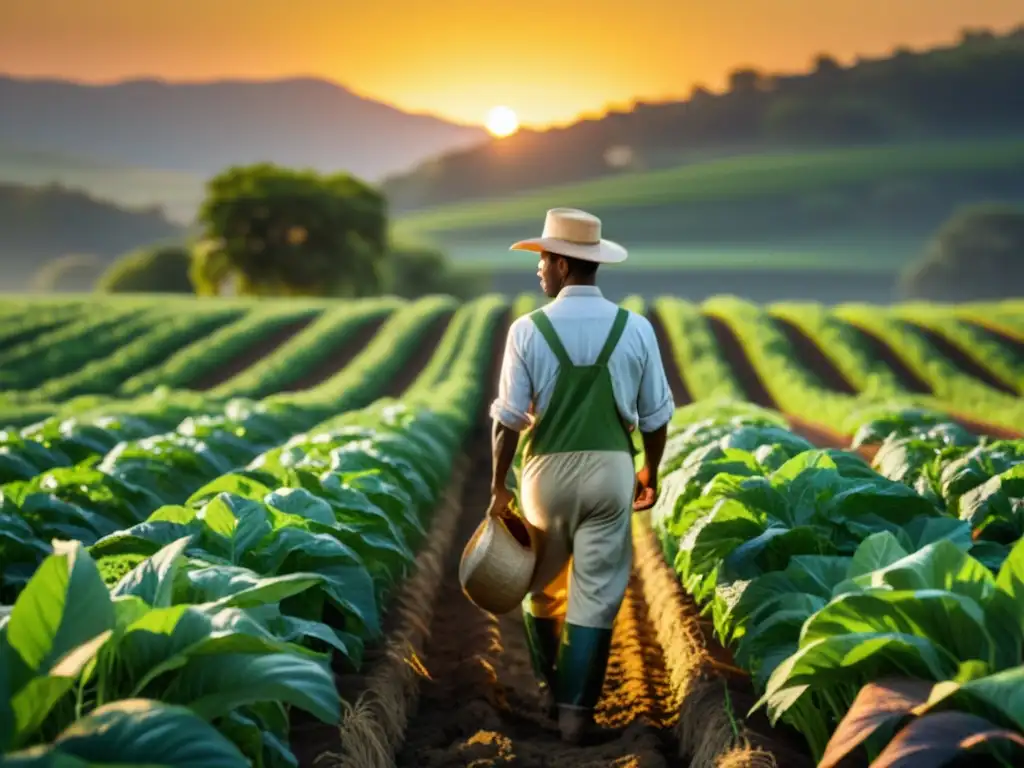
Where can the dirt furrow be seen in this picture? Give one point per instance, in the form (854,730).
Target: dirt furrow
(336,359)
(479,702)
(255,351)
(680,392)
(736,358)
(1001,336)
(878,348)
(810,356)
(960,358)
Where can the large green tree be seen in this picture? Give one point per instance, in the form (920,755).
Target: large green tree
(277,231)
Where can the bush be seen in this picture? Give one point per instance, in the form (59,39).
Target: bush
(161,269)
(416,270)
(75,273)
(977,255)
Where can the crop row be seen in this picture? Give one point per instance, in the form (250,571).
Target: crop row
(184,637)
(874,606)
(829,365)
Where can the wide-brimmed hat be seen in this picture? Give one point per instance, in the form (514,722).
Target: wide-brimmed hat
(497,564)
(574,233)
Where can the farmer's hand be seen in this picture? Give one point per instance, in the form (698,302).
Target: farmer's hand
(646,489)
(501,498)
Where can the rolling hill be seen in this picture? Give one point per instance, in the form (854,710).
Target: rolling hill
(177,192)
(969,89)
(199,128)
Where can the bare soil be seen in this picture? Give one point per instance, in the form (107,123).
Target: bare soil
(878,348)
(1013,343)
(680,392)
(257,349)
(961,359)
(479,702)
(735,356)
(810,356)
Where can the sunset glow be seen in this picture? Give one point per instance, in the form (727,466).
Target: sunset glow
(451,59)
(502,121)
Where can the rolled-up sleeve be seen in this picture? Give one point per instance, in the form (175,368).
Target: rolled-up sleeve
(514,390)
(654,403)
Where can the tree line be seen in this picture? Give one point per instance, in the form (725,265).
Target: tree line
(972,88)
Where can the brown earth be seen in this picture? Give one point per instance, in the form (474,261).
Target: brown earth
(1008,337)
(335,359)
(878,348)
(810,356)
(479,703)
(961,359)
(680,392)
(256,350)
(736,358)
(425,349)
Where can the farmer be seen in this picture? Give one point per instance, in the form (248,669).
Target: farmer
(578,376)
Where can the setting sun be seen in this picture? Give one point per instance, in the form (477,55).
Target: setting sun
(502,121)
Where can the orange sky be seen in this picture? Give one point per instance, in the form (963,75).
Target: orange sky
(457,58)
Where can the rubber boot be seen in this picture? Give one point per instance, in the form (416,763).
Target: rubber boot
(542,637)
(580,669)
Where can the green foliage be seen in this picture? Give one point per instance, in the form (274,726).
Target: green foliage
(952,91)
(284,232)
(37,224)
(160,269)
(415,271)
(75,273)
(978,254)
(825,575)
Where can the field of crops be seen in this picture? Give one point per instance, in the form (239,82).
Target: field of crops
(229,535)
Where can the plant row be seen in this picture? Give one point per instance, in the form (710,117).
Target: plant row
(833,580)
(186,638)
(84,480)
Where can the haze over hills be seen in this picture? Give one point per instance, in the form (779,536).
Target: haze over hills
(971,89)
(204,127)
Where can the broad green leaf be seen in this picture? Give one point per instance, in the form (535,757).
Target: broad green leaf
(953,622)
(135,732)
(153,579)
(64,606)
(852,658)
(212,686)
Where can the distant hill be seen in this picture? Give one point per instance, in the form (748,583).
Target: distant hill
(873,205)
(38,225)
(179,193)
(971,89)
(201,128)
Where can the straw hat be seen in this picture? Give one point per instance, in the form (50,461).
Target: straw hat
(498,563)
(574,233)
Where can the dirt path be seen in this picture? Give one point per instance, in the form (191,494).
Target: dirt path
(480,707)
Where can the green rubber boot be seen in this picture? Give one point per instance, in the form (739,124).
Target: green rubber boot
(580,668)
(542,639)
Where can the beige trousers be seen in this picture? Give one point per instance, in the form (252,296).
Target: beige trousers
(581,507)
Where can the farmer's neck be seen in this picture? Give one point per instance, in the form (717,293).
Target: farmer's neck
(574,279)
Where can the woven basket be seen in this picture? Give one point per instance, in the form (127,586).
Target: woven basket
(498,563)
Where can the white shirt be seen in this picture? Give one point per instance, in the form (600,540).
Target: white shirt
(582,318)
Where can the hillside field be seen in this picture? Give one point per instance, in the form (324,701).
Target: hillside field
(179,193)
(230,532)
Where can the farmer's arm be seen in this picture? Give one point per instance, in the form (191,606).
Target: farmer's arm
(654,409)
(509,412)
